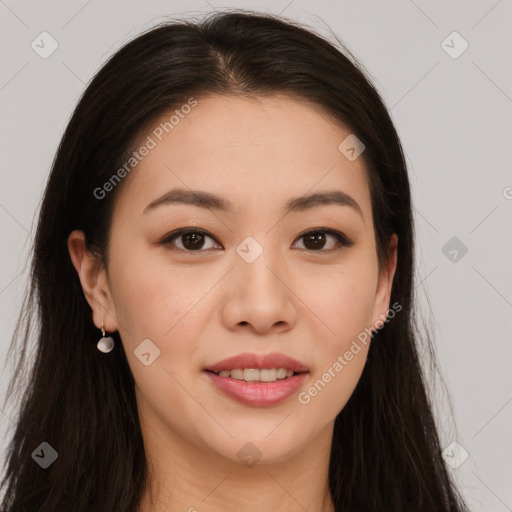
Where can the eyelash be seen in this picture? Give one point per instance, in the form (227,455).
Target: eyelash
(341,238)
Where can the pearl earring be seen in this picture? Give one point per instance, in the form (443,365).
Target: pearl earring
(105,345)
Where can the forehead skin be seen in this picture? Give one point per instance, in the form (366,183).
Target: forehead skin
(258,153)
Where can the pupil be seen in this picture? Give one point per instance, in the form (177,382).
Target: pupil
(317,240)
(196,240)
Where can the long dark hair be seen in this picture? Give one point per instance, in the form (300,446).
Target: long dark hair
(386,452)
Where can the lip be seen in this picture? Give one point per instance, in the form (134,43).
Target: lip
(259,361)
(257,394)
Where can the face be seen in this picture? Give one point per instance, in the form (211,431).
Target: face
(254,271)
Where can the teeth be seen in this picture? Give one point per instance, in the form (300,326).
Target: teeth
(255,375)
(281,373)
(237,374)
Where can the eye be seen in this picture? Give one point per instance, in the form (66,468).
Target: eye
(190,239)
(315,240)
(193,240)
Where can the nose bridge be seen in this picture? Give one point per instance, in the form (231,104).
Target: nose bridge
(257,265)
(259,295)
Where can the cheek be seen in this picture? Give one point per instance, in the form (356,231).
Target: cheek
(154,301)
(329,390)
(344,306)
(344,302)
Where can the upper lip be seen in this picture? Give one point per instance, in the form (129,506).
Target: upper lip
(258,361)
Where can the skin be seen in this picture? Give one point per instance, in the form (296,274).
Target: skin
(201,307)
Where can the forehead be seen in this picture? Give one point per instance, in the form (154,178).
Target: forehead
(247,150)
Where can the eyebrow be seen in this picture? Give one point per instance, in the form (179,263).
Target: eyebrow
(211,201)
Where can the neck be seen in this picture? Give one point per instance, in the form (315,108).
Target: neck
(185,477)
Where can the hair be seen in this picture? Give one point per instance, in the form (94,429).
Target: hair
(385,452)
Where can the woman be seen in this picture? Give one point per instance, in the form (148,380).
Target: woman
(223,270)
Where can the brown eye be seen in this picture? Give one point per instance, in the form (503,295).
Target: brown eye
(190,240)
(316,240)
(193,240)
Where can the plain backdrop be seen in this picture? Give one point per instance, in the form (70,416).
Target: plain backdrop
(444,71)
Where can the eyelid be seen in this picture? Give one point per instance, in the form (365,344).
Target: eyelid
(168,239)
(343,240)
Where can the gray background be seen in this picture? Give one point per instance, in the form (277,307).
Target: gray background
(454,119)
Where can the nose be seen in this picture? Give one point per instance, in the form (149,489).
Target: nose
(260,295)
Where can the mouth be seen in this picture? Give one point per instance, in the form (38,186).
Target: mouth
(258,380)
(256,374)
(249,364)
(257,393)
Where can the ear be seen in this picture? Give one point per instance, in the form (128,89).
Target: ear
(93,278)
(385,283)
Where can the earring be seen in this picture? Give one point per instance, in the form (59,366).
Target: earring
(105,344)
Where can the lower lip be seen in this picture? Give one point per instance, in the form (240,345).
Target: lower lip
(258,394)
